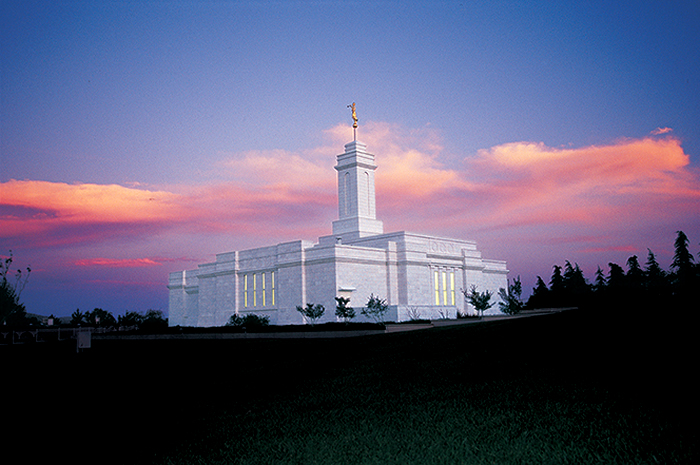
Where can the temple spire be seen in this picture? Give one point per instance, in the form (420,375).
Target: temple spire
(357,216)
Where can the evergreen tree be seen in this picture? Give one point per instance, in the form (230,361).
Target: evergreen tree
(568,275)
(616,278)
(655,280)
(653,273)
(600,281)
(556,287)
(540,295)
(682,262)
(575,285)
(511,302)
(635,275)
(615,290)
(556,282)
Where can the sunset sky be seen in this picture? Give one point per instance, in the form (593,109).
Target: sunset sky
(143,137)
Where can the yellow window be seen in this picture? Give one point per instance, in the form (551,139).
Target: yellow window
(437,288)
(444,287)
(245,290)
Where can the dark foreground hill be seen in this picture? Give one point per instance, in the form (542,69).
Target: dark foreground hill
(565,388)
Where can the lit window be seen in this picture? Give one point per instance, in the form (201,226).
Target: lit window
(452,287)
(272,285)
(263,289)
(245,290)
(444,288)
(255,291)
(437,288)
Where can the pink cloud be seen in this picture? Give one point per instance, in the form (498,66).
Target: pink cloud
(42,209)
(588,185)
(659,131)
(118,263)
(629,249)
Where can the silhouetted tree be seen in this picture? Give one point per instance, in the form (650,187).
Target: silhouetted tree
(634,283)
(77,318)
(616,277)
(576,288)
(511,302)
(656,283)
(12,312)
(540,295)
(682,262)
(635,275)
(557,289)
(615,290)
(653,272)
(600,281)
(99,318)
(130,320)
(154,320)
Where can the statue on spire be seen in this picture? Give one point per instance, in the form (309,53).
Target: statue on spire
(354,115)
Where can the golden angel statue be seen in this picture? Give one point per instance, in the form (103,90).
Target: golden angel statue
(354,115)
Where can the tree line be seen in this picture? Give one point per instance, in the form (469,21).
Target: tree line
(637,287)
(14,314)
(98,318)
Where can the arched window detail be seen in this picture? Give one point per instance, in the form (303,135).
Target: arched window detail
(368,190)
(346,195)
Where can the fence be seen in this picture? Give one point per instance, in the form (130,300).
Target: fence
(39,335)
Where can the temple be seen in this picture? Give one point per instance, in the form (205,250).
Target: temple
(419,276)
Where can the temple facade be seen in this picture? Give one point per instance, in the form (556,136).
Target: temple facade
(419,276)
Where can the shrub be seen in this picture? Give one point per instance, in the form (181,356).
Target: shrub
(465,315)
(414,314)
(342,310)
(250,320)
(481,301)
(312,312)
(375,309)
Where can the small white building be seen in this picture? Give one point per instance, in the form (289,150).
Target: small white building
(417,275)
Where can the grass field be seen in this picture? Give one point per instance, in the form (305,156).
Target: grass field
(563,388)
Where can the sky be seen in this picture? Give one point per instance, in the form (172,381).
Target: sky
(143,137)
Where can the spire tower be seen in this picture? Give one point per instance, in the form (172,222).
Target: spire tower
(357,215)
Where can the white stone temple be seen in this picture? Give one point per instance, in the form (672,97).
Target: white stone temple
(418,275)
